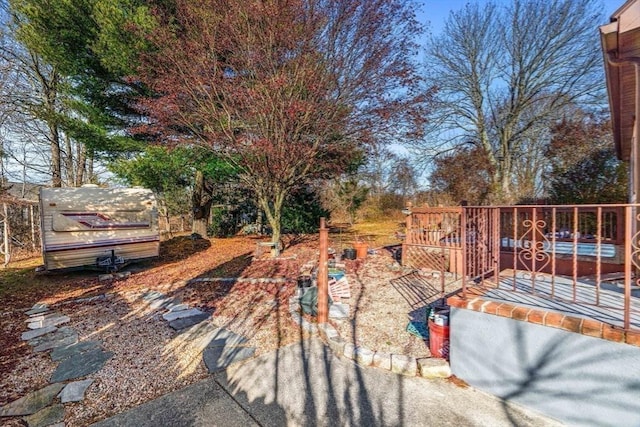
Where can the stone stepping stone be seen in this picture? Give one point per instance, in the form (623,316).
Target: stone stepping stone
(46,417)
(60,338)
(51,319)
(74,391)
(32,402)
(227,338)
(339,311)
(80,365)
(161,303)
(41,316)
(37,309)
(187,322)
(219,358)
(34,333)
(61,353)
(152,295)
(177,307)
(173,315)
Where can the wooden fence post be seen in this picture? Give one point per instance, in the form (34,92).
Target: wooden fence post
(323,275)
(407,234)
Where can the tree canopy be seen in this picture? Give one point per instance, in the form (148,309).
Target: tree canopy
(287,91)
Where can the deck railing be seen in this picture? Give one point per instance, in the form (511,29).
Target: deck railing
(586,255)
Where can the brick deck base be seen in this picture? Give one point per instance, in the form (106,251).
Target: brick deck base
(552,319)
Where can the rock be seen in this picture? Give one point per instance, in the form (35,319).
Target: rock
(52,319)
(327,330)
(74,391)
(160,303)
(338,311)
(62,352)
(177,306)
(32,402)
(90,299)
(294,307)
(227,338)
(336,344)
(40,317)
(363,356)
(218,358)
(46,417)
(34,333)
(62,337)
(187,322)
(37,310)
(62,342)
(295,316)
(433,367)
(381,360)
(80,365)
(151,295)
(308,326)
(173,315)
(404,365)
(349,350)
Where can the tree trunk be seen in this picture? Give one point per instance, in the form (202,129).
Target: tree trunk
(5,237)
(273,212)
(502,183)
(81,167)
(50,101)
(90,178)
(68,162)
(56,161)
(201,204)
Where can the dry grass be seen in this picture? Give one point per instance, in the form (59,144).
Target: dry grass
(377,234)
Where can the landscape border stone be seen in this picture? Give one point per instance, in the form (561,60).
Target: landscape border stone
(404,365)
(397,363)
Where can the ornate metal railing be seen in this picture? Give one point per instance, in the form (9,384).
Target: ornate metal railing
(588,255)
(585,255)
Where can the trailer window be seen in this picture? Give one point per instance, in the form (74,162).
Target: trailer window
(85,221)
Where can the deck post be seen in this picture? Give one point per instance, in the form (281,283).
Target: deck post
(463,238)
(323,274)
(629,217)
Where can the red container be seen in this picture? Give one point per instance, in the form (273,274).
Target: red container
(361,249)
(438,340)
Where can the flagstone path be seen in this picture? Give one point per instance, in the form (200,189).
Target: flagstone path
(77,360)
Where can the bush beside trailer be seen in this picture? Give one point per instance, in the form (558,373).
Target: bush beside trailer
(97,227)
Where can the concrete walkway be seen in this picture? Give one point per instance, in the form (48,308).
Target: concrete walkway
(306,385)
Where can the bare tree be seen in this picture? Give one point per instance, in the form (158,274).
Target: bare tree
(504,75)
(32,96)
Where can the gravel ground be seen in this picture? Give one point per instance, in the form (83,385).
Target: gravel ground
(384,299)
(150,359)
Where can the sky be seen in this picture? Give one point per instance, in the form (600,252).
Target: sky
(436,11)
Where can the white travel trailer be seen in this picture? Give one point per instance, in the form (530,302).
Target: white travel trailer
(100,227)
